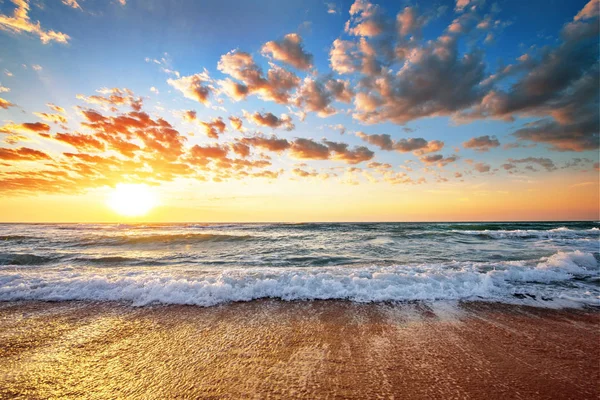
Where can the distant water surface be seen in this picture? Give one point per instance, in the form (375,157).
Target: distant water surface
(549,264)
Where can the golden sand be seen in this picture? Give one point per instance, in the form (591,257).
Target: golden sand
(311,350)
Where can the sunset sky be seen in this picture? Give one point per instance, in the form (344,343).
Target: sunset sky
(300,110)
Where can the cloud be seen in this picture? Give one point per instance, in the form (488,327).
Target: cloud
(20,23)
(267,143)
(434,81)
(579,136)
(56,108)
(438,159)
(589,11)
(481,167)
(128,147)
(408,22)
(236,123)
(73,4)
(366,19)
(270,120)
(80,141)
(338,127)
(342,58)
(332,8)
(378,165)
(481,143)
(194,87)
(189,115)
(5,103)
(276,86)
(418,146)
(136,133)
(342,152)
(214,128)
(314,97)
(112,98)
(27,127)
(201,155)
(22,154)
(4,89)
(317,95)
(56,118)
(546,163)
(308,149)
(461,4)
(290,51)
(557,84)
(304,174)
(241,149)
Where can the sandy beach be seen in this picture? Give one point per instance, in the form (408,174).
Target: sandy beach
(311,350)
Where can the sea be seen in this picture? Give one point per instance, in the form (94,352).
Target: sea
(545,264)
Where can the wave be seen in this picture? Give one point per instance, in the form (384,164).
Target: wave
(163,238)
(557,233)
(25,259)
(19,238)
(563,276)
(115,261)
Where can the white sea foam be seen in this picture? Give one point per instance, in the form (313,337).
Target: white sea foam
(557,233)
(449,281)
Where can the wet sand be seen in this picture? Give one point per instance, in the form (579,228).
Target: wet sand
(312,350)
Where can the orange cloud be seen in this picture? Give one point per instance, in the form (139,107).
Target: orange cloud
(20,22)
(113,98)
(317,96)
(342,152)
(271,120)
(73,4)
(56,118)
(80,141)
(194,87)
(5,103)
(481,143)
(307,149)
(271,144)
(27,127)
(276,86)
(214,128)
(56,108)
(236,123)
(290,51)
(366,19)
(22,154)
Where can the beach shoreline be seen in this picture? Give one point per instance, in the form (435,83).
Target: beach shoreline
(300,349)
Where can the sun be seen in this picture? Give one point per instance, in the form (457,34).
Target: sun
(132,200)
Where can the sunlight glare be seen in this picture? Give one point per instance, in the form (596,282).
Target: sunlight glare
(132,200)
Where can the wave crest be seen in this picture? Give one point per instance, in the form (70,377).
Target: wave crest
(557,233)
(451,281)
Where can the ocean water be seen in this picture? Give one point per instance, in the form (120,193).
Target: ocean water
(550,264)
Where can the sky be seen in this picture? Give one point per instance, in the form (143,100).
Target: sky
(299,111)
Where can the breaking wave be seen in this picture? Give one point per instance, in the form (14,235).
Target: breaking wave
(572,274)
(558,233)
